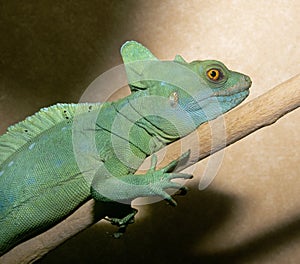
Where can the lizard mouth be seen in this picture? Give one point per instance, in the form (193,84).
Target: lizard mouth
(243,85)
(236,94)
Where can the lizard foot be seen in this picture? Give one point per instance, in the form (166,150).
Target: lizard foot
(158,180)
(122,223)
(153,183)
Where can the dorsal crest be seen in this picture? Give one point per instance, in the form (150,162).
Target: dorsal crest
(25,131)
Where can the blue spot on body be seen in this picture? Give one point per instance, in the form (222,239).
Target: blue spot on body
(162,83)
(58,163)
(31,181)
(1,173)
(11,199)
(10,164)
(31,146)
(64,128)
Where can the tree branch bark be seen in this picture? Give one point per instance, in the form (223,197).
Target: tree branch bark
(240,122)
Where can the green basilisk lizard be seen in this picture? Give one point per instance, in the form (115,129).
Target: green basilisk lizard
(53,161)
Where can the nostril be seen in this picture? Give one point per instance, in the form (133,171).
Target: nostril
(247,79)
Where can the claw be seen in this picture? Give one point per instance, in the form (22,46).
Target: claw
(171,201)
(166,197)
(179,175)
(171,166)
(122,222)
(120,232)
(183,190)
(174,185)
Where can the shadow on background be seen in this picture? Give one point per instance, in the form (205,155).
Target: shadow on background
(165,235)
(52,50)
(171,235)
(261,245)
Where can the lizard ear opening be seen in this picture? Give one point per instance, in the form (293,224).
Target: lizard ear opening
(173,99)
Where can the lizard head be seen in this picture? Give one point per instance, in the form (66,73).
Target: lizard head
(218,85)
(175,97)
(181,96)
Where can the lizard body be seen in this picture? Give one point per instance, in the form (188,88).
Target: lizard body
(53,161)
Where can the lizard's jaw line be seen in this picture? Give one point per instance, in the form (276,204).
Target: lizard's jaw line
(236,91)
(232,90)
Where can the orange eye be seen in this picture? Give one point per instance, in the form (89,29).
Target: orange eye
(214,74)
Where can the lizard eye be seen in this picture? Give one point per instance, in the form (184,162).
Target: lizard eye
(214,74)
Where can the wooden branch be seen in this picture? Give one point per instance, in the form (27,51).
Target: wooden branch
(240,122)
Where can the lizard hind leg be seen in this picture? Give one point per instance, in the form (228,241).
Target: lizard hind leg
(118,214)
(122,223)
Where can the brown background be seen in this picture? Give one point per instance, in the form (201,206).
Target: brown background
(51,50)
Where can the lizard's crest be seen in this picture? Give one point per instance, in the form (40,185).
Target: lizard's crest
(132,53)
(25,131)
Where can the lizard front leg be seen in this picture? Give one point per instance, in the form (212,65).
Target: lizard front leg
(131,186)
(128,187)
